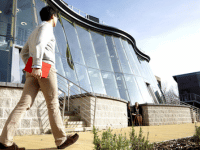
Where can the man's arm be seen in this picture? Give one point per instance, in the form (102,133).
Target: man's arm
(43,37)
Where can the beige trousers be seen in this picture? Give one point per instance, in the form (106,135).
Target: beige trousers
(32,85)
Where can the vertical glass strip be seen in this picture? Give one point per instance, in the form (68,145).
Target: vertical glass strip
(113,55)
(101,51)
(96,81)
(133,89)
(131,58)
(83,77)
(110,84)
(121,54)
(73,42)
(122,86)
(143,88)
(87,47)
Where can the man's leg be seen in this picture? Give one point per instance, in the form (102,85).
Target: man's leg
(49,88)
(30,91)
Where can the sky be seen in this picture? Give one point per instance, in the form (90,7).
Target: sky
(166,30)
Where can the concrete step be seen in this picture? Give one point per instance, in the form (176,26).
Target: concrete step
(80,129)
(72,118)
(75,124)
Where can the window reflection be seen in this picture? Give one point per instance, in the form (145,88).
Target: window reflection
(60,39)
(26,21)
(133,89)
(113,55)
(121,86)
(132,51)
(59,65)
(144,90)
(122,56)
(5,21)
(4,55)
(73,42)
(70,74)
(110,84)
(87,47)
(130,57)
(101,51)
(96,81)
(83,77)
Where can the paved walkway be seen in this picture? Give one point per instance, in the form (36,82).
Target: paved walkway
(156,134)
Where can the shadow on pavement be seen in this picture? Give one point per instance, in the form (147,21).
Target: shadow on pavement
(43,149)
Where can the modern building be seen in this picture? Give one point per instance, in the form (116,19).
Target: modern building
(99,58)
(189,88)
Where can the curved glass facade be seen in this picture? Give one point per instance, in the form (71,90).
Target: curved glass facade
(98,62)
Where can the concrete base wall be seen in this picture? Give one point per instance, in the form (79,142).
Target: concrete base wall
(165,114)
(35,120)
(110,112)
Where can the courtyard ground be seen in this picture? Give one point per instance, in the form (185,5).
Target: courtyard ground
(156,134)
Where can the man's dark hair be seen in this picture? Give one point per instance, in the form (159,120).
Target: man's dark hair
(46,13)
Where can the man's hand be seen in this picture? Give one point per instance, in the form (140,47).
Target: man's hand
(37,73)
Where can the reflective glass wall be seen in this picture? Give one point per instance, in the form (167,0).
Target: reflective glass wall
(98,62)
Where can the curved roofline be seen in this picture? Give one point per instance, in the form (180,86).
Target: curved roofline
(68,13)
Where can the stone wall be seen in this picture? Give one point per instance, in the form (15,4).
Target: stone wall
(110,112)
(165,114)
(35,120)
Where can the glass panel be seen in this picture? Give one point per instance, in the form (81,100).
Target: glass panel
(135,58)
(73,42)
(39,4)
(113,55)
(110,84)
(96,81)
(122,56)
(121,86)
(83,77)
(26,20)
(71,75)
(158,95)
(59,65)
(155,83)
(60,39)
(87,47)
(143,88)
(133,89)
(5,25)
(150,80)
(4,57)
(4,43)
(131,59)
(101,51)
(6,37)
(6,17)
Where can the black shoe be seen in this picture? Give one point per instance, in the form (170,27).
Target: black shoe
(70,140)
(13,147)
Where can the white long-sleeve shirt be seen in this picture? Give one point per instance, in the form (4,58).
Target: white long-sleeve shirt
(40,45)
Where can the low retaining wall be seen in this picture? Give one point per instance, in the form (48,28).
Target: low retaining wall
(165,114)
(110,112)
(35,120)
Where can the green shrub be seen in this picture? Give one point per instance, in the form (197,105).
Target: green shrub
(113,142)
(197,134)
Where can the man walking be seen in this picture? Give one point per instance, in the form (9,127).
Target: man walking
(41,47)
